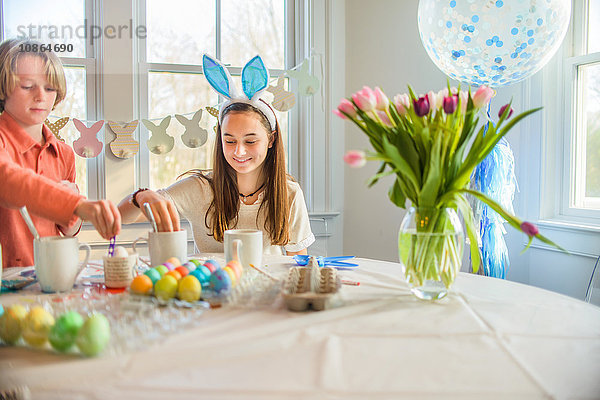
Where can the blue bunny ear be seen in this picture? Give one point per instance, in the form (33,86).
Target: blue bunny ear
(217,76)
(255,77)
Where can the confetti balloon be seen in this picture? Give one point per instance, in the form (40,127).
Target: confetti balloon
(492,42)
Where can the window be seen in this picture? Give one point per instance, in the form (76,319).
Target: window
(582,91)
(170,71)
(54,25)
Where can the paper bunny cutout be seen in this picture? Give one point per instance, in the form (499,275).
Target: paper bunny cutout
(87,146)
(56,126)
(194,136)
(283,100)
(159,142)
(124,146)
(307,84)
(255,79)
(215,113)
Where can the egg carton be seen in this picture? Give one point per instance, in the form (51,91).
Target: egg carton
(310,287)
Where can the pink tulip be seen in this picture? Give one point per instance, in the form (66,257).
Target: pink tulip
(402,102)
(482,96)
(464,100)
(435,101)
(347,107)
(384,118)
(502,109)
(529,228)
(365,99)
(355,158)
(339,114)
(382,102)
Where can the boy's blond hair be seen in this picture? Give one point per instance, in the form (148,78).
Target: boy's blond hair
(10,51)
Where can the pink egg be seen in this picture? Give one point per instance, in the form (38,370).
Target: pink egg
(169,266)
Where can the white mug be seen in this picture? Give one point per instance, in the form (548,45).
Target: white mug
(164,245)
(244,245)
(119,271)
(57,262)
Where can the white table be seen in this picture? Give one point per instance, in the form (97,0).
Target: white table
(488,339)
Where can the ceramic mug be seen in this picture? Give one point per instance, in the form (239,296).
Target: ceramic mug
(57,262)
(244,245)
(164,245)
(119,271)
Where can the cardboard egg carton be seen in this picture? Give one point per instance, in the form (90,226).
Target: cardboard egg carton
(310,287)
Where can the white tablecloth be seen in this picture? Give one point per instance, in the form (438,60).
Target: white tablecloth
(488,339)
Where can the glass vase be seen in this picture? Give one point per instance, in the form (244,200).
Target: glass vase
(430,246)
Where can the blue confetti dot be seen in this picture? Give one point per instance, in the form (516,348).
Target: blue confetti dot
(455,54)
(530,41)
(500,43)
(523,45)
(514,55)
(462,52)
(471,28)
(499,3)
(502,68)
(453,4)
(489,42)
(496,77)
(514,31)
(498,59)
(475,18)
(540,21)
(495,38)
(467,39)
(463,27)
(449,24)
(494,67)
(530,32)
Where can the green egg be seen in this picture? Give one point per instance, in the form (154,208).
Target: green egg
(153,274)
(94,335)
(64,332)
(162,270)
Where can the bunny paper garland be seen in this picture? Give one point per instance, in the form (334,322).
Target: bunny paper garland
(255,79)
(56,126)
(160,142)
(283,100)
(307,84)
(87,146)
(194,135)
(124,146)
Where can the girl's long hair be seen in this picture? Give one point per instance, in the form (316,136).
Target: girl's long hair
(223,211)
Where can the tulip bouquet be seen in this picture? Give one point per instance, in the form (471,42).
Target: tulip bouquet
(432,144)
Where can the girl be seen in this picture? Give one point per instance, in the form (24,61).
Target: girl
(37,170)
(248,186)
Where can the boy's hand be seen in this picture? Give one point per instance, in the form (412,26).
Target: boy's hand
(103,214)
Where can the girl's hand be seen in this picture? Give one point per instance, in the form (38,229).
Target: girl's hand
(165,213)
(103,214)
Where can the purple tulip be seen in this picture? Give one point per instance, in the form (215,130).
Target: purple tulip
(529,228)
(502,109)
(450,104)
(421,106)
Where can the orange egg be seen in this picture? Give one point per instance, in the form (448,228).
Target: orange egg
(232,275)
(182,270)
(141,284)
(175,261)
(236,267)
(175,274)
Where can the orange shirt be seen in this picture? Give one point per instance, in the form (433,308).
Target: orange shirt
(28,176)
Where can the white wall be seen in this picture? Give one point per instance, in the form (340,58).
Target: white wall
(383,49)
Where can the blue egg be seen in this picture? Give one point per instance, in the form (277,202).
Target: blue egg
(220,281)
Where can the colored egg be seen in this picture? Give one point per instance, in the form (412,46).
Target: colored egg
(120,251)
(205,270)
(11,322)
(196,262)
(220,281)
(153,274)
(236,267)
(64,332)
(36,326)
(175,261)
(183,271)
(175,274)
(166,287)
(141,284)
(190,266)
(232,276)
(170,266)
(213,265)
(189,289)
(201,276)
(162,270)
(94,335)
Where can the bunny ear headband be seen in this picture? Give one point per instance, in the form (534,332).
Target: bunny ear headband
(255,79)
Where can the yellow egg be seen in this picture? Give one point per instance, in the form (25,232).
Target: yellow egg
(36,326)
(11,322)
(189,288)
(232,275)
(166,287)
